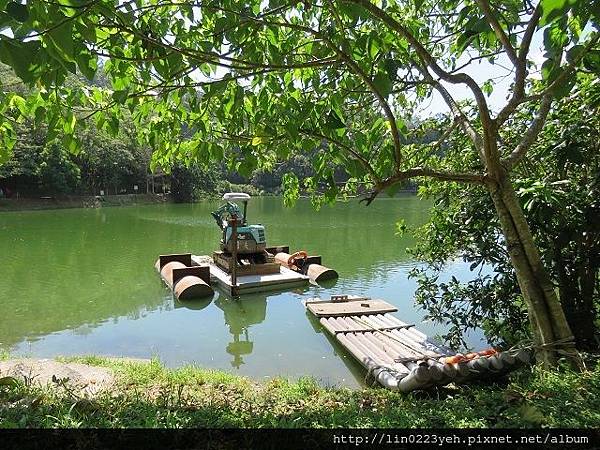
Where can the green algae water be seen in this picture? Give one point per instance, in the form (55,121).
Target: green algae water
(82,281)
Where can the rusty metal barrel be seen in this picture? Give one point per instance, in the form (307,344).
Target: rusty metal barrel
(312,267)
(186,281)
(317,272)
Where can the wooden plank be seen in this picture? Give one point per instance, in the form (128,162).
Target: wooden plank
(361,330)
(350,308)
(336,299)
(258,269)
(183,258)
(313,260)
(278,249)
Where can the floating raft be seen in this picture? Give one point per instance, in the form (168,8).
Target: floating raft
(284,279)
(396,354)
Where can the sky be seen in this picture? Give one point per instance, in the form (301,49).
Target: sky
(481,71)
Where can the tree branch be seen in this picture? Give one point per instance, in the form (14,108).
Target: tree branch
(499,31)
(547,96)
(423,172)
(454,78)
(348,149)
(530,135)
(362,75)
(521,69)
(458,114)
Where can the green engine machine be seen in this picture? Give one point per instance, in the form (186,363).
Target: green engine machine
(250,238)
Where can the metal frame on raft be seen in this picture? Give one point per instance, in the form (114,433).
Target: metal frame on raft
(242,265)
(186,279)
(251,283)
(396,354)
(242,279)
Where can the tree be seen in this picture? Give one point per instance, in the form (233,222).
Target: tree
(559,188)
(57,172)
(253,82)
(189,183)
(35,168)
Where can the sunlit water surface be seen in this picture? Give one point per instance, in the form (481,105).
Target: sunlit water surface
(82,281)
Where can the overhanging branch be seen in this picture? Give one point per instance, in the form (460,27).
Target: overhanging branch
(416,172)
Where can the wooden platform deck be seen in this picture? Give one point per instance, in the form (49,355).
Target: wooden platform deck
(246,284)
(395,353)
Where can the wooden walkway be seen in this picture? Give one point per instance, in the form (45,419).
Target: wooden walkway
(395,353)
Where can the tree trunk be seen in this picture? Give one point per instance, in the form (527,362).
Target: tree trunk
(552,336)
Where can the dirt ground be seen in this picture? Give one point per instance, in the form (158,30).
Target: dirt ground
(88,380)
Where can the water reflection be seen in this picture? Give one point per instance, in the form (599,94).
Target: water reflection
(239,316)
(83,281)
(195,305)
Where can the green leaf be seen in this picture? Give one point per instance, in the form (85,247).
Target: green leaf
(291,189)
(334,121)
(591,61)
(353,12)
(488,87)
(257,140)
(574,52)
(19,55)
(383,84)
(18,11)
(5,20)
(8,138)
(555,38)
(120,96)
(19,102)
(553,9)
(391,68)
(69,123)
(308,145)
(62,38)
(40,114)
(87,65)
(550,70)
(8,381)
(71,143)
(113,125)
(566,86)
(372,45)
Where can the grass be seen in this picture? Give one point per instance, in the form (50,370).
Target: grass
(150,395)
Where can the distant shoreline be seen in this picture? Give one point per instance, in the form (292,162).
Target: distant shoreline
(83,201)
(91,201)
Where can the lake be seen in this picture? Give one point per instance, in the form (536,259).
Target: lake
(82,281)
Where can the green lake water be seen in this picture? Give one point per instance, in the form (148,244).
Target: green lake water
(82,281)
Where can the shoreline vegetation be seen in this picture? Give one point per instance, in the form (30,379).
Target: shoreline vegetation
(146,394)
(78,201)
(96,201)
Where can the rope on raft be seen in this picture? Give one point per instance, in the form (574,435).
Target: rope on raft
(558,345)
(370,379)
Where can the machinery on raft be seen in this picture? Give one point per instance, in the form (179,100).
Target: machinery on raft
(246,245)
(244,262)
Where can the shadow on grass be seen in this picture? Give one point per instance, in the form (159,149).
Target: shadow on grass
(150,396)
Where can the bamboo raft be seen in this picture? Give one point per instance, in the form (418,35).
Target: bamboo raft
(396,354)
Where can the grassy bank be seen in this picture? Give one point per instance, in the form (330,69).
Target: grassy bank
(149,395)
